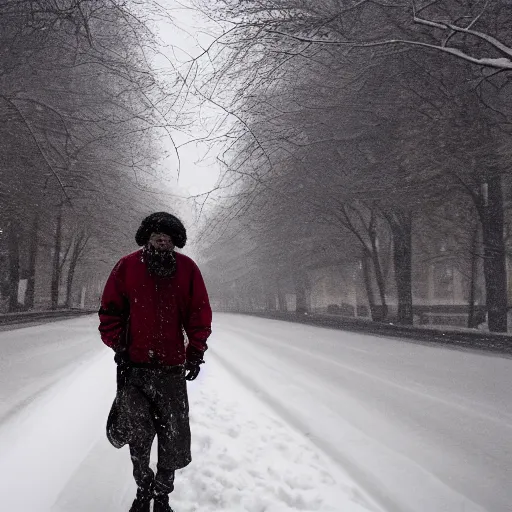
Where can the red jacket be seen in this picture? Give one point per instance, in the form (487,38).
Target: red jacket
(150,313)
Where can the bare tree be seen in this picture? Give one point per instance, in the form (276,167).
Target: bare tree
(307,77)
(82,112)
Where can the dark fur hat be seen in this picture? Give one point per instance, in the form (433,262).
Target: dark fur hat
(162,222)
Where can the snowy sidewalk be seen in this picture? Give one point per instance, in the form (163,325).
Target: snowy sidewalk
(55,457)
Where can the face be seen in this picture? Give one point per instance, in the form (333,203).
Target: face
(161,242)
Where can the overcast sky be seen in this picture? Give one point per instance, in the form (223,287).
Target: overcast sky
(182,39)
(186,38)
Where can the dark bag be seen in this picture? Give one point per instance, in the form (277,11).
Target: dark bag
(118,421)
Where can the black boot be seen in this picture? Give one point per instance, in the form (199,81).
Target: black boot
(162,503)
(142,501)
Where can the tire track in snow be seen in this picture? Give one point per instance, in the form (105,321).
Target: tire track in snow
(315,396)
(371,492)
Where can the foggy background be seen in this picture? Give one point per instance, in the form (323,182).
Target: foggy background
(339,157)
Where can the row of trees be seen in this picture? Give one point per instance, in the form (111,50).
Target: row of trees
(81,114)
(365,131)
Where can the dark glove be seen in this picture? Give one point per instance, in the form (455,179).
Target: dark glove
(192,371)
(194,359)
(121,356)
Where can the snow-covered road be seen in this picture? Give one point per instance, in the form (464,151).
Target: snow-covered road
(422,428)
(284,417)
(57,384)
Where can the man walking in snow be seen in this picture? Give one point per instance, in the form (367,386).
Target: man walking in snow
(151,297)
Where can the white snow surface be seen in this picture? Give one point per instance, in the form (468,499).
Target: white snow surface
(422,428)
(284,417)
(57,383)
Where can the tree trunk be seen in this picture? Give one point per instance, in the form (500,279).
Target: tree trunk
(492,218)
(379,277)
(401,229)
(301,303)
(69,287)
(32,260)
(69,282)
(14,265)
(472,279)
(381,286)
(56,262)
(367,278)
(79,244)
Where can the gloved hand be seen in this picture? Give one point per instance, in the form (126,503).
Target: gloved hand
(121,356)
(192,371)
(194,359)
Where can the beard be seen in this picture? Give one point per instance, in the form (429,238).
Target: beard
(161,263)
